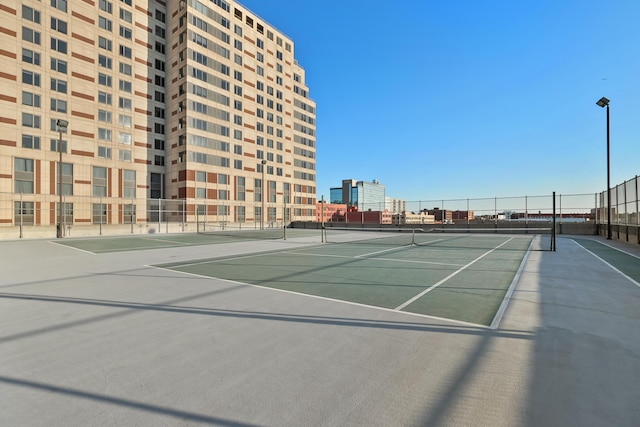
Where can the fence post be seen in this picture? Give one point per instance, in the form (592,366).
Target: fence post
(560,211)
(21,214)
(101,216)
(132,215)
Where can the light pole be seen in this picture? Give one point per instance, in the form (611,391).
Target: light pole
(62,124)
(264,162)
(604,102)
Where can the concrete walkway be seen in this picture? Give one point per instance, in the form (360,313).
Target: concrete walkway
(107,340)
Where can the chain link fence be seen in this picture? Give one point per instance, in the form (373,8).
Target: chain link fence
(45,216)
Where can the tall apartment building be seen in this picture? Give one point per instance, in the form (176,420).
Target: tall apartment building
(200,102)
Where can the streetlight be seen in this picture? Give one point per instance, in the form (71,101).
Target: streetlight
(264,162)
(604,102)
(62,124)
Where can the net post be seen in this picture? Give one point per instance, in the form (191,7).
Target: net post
(553,224)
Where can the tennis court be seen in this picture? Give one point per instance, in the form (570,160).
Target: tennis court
(463,277)
(158,241)
(337,329)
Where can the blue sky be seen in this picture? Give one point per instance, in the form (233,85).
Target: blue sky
(468,98)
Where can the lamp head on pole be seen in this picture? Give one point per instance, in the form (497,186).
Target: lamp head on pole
(62,123)
(603,102)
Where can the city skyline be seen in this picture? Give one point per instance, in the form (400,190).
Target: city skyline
(444,101)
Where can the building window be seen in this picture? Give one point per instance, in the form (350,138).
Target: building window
(125,69)
(23,175)
(124,155)
(125,32)
(104,23)
(272,191)
(125,15)
(105,98)
(105,6)
(30,14)
(99,181)
(124,103)
(30,57)
(257,189)
(104,152)
(99,213)
(125,86)
(59,4)
(24,213)
(129,183)
(155,187)
(30,78)
(124,138)
(104,134)
(125,51)
(129,213)
(59,25)
(67,179)
(104,116)
(58,105)
(240,188)
(30,99)
(104,80)
(30,141)
(30,35)
(103,61)
(30,120)
(59,65)
(124,120)
(55,145)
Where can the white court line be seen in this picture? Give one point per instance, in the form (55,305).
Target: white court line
(617,249)
(72,247)
(610,266)
(379,252)
(432,287)
(153,239)
(505,301)
(424,316)
(376,259)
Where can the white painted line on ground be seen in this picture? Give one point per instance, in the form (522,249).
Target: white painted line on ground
(382,251)
(505,301)
(424,316)
(153,239)
(377,259)
(432,287)
(617,249)
(609,265)
(72,247)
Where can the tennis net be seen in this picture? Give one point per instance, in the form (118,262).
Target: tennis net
(240,232)
(440,236)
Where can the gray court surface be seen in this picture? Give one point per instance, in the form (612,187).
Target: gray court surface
(109,340)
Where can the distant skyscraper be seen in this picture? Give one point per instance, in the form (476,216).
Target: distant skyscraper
(363,195)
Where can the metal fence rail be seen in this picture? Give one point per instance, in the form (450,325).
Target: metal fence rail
(34,215)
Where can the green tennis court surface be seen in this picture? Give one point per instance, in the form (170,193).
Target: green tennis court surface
(459,277)
(149,241)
